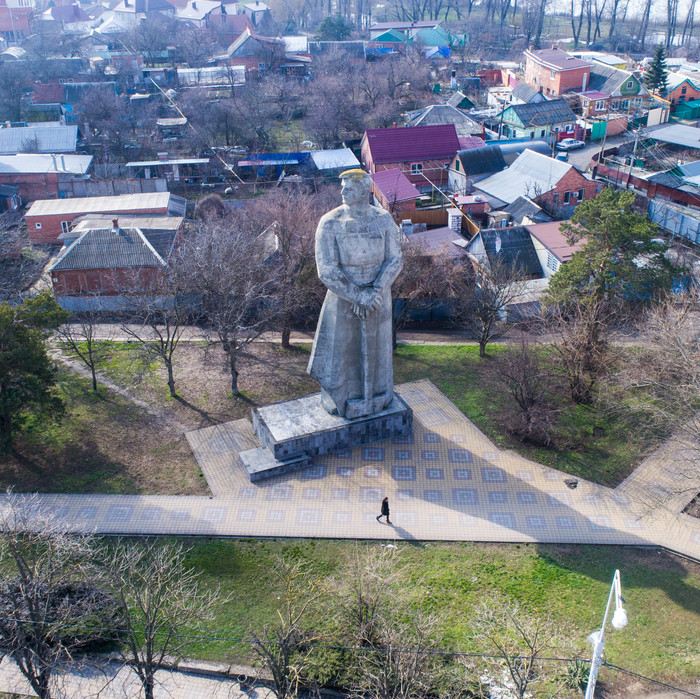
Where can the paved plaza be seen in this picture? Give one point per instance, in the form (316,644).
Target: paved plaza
(446,481)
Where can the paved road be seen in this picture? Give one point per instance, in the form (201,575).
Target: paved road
(582,158)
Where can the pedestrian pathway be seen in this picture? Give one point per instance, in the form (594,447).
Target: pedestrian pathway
(446,481)
(115,681)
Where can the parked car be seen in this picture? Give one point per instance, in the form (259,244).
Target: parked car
(569,144)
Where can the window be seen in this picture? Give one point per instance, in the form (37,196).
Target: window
(552,262)
(600,105)
(532,135)
(416,168)
(580,194)
(567,197)
(615,104)
(542,133)
(625,104)
(552,74)
(637,101)
(555,197)
(457,164)
(65,226)
(685,87)
(630,84)
(38,226)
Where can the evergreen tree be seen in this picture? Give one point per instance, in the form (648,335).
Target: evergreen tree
(618,262)
(334,28)
(27,374)
(656,77)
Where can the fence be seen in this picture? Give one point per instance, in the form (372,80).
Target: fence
(431,217)
(675,220)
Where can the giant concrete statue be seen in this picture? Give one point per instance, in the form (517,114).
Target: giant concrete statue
(358,256)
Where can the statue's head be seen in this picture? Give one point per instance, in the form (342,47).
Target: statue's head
(355,186)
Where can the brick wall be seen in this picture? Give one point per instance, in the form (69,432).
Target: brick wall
(33,186)
(572,182)
(107,282)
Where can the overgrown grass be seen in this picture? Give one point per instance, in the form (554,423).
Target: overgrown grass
(593,442)
(569,584)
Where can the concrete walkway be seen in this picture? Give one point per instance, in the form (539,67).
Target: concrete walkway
(446,481)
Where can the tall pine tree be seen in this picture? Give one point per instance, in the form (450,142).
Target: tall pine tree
(656,77)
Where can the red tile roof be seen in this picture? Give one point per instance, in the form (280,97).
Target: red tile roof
(415,143)
(394,185)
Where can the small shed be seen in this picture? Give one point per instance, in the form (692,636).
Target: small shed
(687,110)
(394,191)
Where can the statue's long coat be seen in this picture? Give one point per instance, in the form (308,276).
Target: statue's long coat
(350,255)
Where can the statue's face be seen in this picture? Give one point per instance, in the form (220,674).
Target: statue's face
(354,190)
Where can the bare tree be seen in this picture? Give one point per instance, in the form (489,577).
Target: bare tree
(519,372)
(364,591)
(518,639)
(158,309)
(50,609)
(291,216)
(283,648)
(162,601)
(83,336)
(486,297)
(20,265)
(231,273)
(424,280)
(582,345)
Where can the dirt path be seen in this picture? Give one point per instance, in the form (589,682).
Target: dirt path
(152,410)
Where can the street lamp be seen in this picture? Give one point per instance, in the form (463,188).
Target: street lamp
(597,638)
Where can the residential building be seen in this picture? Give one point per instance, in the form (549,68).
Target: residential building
(440,114)
(55,138)
(551,245)
(128,13)
(105,264)
(47,218)
(198,13)
(681,88)
(255,52)
(422,153)
(394,192)
(40,176)
(14,21)
(472,165)
(407,29)
(524,211)
(548,182)
(538,120)
(555,71)
(511,248)
(625,91)
(259,14)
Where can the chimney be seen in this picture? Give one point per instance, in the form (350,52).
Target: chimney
(194,5)
(115,223)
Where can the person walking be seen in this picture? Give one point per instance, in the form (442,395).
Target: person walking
(385,511)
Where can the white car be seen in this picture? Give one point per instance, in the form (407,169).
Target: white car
(569,144)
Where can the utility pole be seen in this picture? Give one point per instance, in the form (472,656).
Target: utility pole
(632,159)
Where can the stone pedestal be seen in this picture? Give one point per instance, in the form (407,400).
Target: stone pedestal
(293,432)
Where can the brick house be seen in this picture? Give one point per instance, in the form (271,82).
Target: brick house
(556,72)
(393,191)
(111,261)
(47,219)
(611,88)
(680,88)
(40,176)
(256,53)
(553,183)
(422,153)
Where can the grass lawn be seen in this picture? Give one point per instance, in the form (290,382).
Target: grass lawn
(569,584)
(106,444)
(103,444)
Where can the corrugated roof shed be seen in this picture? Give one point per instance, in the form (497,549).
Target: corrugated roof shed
(477,161)
(415,143)
(31,163)
(107,248)
(544,113)
(525,93)
(532,174)
(333,159)
(394,185)
(677,134)
(38,139)
(516,250)
(99,205)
